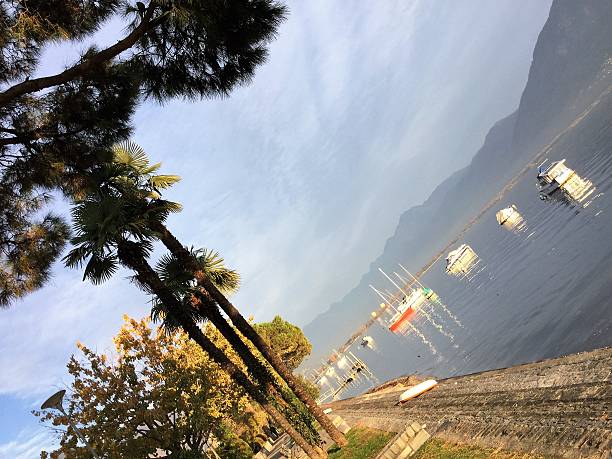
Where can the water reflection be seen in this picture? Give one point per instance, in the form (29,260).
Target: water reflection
(548,292)
(349,371)
(511,219)
(462,261)
(368,342)
(558,182)
(411,306)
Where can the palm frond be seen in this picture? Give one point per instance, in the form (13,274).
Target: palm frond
(122,208)
(169,323)
(171,207)
(225,279)
(76,257)
(131,169)
(130,154)
(153,168)
(122,181)
(140,285)
(163,181)
(175,276)
(100,268)
(142,248)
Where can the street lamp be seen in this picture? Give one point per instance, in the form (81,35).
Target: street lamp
(55,402)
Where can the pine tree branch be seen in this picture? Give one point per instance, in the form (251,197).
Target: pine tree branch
(14,140)
(9,130)
(38,84)
(35,135)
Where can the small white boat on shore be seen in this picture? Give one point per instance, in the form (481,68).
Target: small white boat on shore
(417,390)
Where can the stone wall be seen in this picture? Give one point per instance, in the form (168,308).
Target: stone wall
(406,443)
(558,407)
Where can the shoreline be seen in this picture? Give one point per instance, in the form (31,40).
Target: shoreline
(559,407)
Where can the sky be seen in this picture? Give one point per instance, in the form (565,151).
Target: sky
(297,179)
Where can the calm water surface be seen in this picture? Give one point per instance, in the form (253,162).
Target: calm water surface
(542,293)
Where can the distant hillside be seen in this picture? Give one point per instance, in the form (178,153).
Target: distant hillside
(572,64)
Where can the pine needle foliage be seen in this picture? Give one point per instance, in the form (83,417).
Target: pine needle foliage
(55,130)
(29,244)
(286,339)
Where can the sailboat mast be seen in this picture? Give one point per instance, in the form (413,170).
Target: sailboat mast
(392,281)
(382,296)
(413,278)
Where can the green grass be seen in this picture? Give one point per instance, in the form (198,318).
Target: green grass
(438,449)
(363,443)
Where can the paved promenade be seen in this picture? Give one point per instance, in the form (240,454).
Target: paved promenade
(558,407)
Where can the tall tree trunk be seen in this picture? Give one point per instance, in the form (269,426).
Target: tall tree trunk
(131,257)
(185,257)
(256,367)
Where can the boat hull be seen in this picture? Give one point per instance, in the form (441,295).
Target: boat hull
(406,316)
(417,390)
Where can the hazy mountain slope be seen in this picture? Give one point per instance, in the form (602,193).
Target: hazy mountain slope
(422,231)
(570,68)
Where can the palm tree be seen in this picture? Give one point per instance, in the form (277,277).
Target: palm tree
(217,297)
(180,281)
(172,272)
(112,227)
(214,296)
(132,255)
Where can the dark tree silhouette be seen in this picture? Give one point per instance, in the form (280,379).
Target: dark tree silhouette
(56,128)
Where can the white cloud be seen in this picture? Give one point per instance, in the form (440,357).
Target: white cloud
(28,445)
(362,109)
(38,335)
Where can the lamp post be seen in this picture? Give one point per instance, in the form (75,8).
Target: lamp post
(55,402)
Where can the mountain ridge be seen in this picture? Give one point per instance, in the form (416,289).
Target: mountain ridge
(571,66)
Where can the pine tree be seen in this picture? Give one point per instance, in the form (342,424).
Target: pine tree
(28,244)
(54,129)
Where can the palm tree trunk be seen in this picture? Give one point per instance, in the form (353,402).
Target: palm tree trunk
(185,257)
(255,366)
(131,257)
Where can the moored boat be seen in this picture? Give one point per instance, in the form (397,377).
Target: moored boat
(408,306)
(557,176)
(552,177)
(507,214)
(510,218)
(461,260)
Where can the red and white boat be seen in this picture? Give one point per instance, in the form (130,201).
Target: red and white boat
(407,307)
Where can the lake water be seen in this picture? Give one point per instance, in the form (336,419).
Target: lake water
(543,292)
